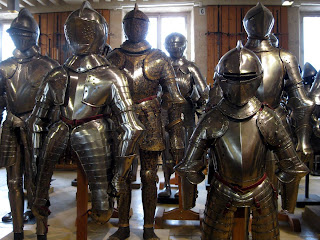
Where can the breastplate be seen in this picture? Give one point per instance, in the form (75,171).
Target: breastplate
(184,81)
(140,86)
(22,88)
(87,94)
(240,153)
(272,83)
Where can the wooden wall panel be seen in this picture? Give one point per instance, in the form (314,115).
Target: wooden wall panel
(52,41)
(224,24)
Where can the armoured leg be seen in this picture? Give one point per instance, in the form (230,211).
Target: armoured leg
(167,166)
(124,202)
(219,217)
(16,196)
(54,146)
(149,190)
(265,220)
(91,146)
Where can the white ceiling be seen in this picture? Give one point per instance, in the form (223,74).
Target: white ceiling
(38,6)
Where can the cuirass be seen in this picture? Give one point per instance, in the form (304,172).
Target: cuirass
(140,86)
(272,84)
(240,153)
(87,94)
(22,88)
(184,81)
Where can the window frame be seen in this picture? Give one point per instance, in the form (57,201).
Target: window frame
(302,15)
(3,22)
(184,14)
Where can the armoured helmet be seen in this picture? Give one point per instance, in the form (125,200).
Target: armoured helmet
(24,30)
(86,30)
(308,73)
(258,22)
(135,25)
(239,74)
(175,44)
(274,40)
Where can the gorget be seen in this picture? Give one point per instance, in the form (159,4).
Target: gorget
(178,61)
(138,47)
(22,57)
(84,63)
(259,45)
(240,113)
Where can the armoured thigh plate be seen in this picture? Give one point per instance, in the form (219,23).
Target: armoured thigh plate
(240,153)
(272,83)
(90,142)
(10,140)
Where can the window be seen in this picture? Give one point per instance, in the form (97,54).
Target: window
(310,40)
(162,24)
(7,45)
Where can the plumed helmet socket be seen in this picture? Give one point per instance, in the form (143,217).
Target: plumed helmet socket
(239,73)
(136,25)
(258,22)
(86,30)
(175,43)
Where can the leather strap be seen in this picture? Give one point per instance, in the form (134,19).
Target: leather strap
(78,122)
(237,188)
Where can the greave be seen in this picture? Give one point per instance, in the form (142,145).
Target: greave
(149,189)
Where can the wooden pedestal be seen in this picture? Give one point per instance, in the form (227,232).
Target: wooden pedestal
(175,214)
(82,204)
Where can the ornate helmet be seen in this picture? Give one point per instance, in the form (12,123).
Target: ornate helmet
(239,74)
(308,74)
(258,22)
(86,30)
(274,40)
(24,30)
(135,25)
(175,44)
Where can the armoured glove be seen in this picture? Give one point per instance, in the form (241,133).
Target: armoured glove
(191,170)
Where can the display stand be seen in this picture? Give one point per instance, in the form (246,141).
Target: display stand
(241,224)
(293,222)
(307,199)
(175,214)
(82,204)
(173,199)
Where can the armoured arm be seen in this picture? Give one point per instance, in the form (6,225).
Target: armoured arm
(212,126)
(48,100)
(201,85)
(291,168)
(130,127)
(2,96)
(173,102)
(300,104)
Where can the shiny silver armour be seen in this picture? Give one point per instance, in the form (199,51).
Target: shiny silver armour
(77,100)
(20,79)
(277,63)
(193,88)
(239,130)
(146,70)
